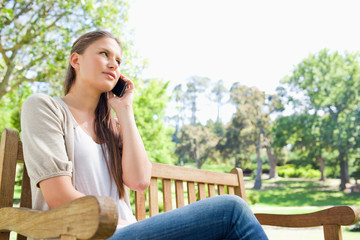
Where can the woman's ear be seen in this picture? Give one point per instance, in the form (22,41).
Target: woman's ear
(74,60)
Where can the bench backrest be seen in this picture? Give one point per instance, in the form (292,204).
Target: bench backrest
(10,155)
(182,185)
(179,185)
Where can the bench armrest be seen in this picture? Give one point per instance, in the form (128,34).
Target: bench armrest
(84,218)
(339,215)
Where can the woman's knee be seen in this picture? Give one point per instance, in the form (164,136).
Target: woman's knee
(234,200)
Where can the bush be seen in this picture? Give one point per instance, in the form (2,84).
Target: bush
(291,171)
(253,197)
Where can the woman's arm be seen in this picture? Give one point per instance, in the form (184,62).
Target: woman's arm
(58,191)
(136,166)
(135,163)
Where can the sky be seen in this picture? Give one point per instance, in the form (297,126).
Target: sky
(254,42)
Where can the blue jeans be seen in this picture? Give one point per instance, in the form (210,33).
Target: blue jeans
(220,217)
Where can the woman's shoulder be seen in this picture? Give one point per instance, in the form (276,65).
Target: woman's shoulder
(39,100)
(43,105)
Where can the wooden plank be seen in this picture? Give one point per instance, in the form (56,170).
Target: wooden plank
(211,189)
(20,237)
(4,235)
(193,175)
(140,210)
(8,158)
(85,218)
(201,191)
(221,189)
(191,192)
(153,197)
(67,237)
(167,195)
(339,215)
(231,190)
(20,155)
(179,193)
(332,232)
(25,199)
(240,189)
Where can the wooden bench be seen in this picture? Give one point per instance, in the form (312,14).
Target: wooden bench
(92,217)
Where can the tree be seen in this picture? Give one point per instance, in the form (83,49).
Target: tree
(149,109)
(330,84)
(218,95)
(36,36)
(195,86)
(10,107)
(256,106)
(250,102)
(308,136)
(178,95)
(237,142)
(197,143)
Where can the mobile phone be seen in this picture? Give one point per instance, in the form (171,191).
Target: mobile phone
(120,87)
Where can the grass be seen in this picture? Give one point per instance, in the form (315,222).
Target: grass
(296,196)
(301,193)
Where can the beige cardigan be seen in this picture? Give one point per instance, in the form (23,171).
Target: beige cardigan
(48,142)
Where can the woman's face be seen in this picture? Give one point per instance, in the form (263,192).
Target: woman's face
(98,67)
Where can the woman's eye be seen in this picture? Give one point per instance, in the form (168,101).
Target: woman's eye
(118,62)
(104,53)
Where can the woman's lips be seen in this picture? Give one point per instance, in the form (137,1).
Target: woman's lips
(110,75)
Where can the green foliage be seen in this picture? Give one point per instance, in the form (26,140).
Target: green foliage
(149,108)
(35,47)
(327,85)
(10,107)
(37,37)
(196,143)
(253,197)
(291,171)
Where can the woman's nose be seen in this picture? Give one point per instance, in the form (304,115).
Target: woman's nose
(112,64)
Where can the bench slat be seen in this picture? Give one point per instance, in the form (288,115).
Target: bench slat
(167,195)
(140,210)
(231,190)
(153,197)
(221,189)
(201,191)
(193,175)
(179,192)
(211,189)
(191,192)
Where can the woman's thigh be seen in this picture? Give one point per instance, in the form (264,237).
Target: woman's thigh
(221,217)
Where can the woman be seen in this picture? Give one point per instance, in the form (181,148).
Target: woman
(74,146)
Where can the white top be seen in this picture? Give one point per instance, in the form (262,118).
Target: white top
(92,176)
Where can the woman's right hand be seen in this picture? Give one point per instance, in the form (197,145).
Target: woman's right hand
(126,100)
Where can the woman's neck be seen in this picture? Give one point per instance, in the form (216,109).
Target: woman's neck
(83,100)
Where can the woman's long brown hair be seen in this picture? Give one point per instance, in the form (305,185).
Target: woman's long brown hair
(105,129)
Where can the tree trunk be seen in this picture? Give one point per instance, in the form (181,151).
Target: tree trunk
(196,155)
(272,163)
(342,170)
(320,160)
(237,161)
(193,112)
(259,167)
(347,175)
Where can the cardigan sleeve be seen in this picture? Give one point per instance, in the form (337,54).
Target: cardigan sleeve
(43,139)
